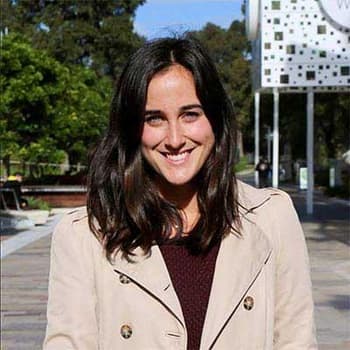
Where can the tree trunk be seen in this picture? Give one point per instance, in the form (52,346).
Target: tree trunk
(240,150)
(7,166)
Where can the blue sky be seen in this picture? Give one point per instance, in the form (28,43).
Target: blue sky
(158,18)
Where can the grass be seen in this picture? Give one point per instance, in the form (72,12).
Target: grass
(243,165)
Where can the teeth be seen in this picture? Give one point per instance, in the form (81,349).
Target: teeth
(176,157)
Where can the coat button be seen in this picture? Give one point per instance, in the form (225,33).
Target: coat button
(124,279)
(248,302)
(125,331)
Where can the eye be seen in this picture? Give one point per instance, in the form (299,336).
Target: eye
(191,115)
(154,119)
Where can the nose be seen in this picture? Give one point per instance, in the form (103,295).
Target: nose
(175,138)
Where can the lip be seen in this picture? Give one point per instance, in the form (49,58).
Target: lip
(177,158)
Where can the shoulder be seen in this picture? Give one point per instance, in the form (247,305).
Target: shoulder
(73,228)
(75,254)
(253,199)
(273,212)
(73,218)
(270,209)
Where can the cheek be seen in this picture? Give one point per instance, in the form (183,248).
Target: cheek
(203,133)
(150,137)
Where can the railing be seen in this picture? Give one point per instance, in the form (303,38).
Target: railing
(38,168)
(9,199)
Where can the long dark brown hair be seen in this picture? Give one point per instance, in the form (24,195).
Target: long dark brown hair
(124,207)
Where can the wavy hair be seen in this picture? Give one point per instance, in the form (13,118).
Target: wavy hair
(125,210)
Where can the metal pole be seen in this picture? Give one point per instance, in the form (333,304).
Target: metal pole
(310,152)
(269,144)
(275,150)
(257,134)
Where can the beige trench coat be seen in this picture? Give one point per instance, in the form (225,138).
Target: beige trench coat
(260,299)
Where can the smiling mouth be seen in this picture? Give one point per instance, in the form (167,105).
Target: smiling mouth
(177,157)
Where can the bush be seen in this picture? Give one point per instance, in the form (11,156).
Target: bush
(322,177)
(36,203)
(338,191)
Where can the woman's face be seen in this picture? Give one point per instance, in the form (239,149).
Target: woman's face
(177,137)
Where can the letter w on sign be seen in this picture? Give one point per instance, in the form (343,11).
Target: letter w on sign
(343,4)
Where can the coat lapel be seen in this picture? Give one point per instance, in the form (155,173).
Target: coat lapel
(239,262)
(151,274)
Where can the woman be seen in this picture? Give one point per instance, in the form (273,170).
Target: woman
(173,252)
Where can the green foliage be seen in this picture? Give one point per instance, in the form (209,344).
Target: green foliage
(332,123)
(96,34)
(8,140)
(81,115)
(37,203)
(56,75)
(243,165)
(48,110)
(30,82)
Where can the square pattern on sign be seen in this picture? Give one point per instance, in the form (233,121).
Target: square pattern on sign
(298,47)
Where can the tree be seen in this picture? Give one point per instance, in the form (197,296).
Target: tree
(48,110)
(95,33)
(81,114)
(332,123)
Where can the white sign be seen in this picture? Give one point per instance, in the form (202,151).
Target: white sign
(332,177)
(338,11)
(303,178)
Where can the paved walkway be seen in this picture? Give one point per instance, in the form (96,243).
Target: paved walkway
(328,245)
(24,279)
(25,274)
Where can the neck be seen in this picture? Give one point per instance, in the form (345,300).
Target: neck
(185,198)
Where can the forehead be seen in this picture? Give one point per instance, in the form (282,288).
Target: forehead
(174,83)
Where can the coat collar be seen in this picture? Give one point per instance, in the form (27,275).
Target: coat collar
(251,198)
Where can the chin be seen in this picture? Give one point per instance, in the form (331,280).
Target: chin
(177,181)
(171,180)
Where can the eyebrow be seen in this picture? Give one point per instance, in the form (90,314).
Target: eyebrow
(182,109)
(187,107)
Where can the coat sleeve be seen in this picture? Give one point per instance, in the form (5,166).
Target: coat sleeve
(294,317)
(71,314)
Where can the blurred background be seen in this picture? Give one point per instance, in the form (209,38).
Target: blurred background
(60,59)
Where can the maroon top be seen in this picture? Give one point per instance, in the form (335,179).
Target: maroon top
(192,277)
